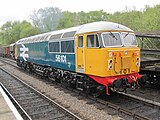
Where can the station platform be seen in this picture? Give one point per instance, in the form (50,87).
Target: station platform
(7,109)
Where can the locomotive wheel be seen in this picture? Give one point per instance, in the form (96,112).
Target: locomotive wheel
(96,94)
(64,82)
(99,90)
(28,67)
(121,89)
(51,78)
(24,65)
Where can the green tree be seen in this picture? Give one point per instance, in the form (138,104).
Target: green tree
(73,19)
(151,18)
(146,20)
(68,20)
(13,31)
(132,19)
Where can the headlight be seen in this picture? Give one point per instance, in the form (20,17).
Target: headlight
(110,64)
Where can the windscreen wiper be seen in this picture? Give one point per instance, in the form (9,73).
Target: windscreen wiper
(126,35)
(111,34)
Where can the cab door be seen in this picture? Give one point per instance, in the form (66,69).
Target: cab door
(80,65)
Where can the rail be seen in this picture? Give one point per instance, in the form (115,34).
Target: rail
(21,89)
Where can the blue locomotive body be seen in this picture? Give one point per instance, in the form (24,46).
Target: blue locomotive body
(40,53)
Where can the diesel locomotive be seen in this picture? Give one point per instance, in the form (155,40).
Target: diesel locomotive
(93,57)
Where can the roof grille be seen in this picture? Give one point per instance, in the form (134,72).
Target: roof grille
(56,36)
(69,34)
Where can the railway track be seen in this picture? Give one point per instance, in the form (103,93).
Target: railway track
(33,104)
(123,105)
(9,61)
(137,105)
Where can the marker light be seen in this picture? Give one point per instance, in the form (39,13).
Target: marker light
(114,54)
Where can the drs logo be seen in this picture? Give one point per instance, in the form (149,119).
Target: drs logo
(61,58)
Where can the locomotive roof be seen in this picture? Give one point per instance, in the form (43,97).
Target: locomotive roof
(71,32)
(102,26)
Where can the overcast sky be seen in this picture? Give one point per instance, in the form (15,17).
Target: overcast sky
(21,9)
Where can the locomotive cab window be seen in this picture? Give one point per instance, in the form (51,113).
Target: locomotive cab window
(92,41)
(80,41)
(129,39)
(111,39)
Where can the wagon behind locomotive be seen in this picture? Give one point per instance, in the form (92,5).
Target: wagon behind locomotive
(89,57)
(12,50)
(1,50)
(6,51)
